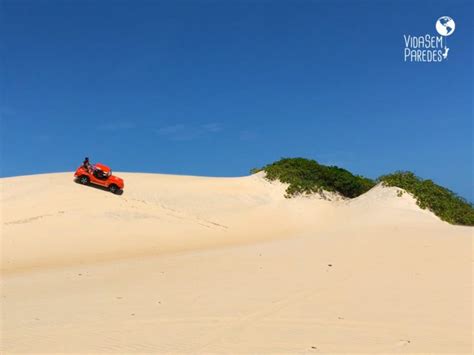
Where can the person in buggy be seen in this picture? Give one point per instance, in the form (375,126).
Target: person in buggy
(99,173)
(96,169)
(93,169)
(87,165)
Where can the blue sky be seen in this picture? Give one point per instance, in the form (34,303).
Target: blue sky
(218,87)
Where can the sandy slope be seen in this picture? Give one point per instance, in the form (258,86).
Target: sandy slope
(226,265)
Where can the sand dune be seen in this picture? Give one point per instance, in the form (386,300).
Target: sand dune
(181,264)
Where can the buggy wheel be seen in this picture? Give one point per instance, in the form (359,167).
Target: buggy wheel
(84,180)
(113,188)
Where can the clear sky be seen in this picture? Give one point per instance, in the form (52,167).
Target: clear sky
(218,87)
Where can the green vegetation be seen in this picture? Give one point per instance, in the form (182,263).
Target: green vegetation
(308,176)
(305,176)
(441,201)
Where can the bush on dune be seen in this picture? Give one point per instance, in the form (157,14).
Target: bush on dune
(306,176)
(444,203)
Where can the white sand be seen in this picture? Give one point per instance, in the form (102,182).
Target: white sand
(181,264)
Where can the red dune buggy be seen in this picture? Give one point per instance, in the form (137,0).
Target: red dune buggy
(101,175)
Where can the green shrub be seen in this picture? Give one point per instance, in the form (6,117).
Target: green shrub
(306,176)
(444,203)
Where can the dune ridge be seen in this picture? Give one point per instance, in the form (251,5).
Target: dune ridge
(227,265)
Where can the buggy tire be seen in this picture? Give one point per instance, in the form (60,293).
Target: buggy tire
(114,188)
(84,180)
